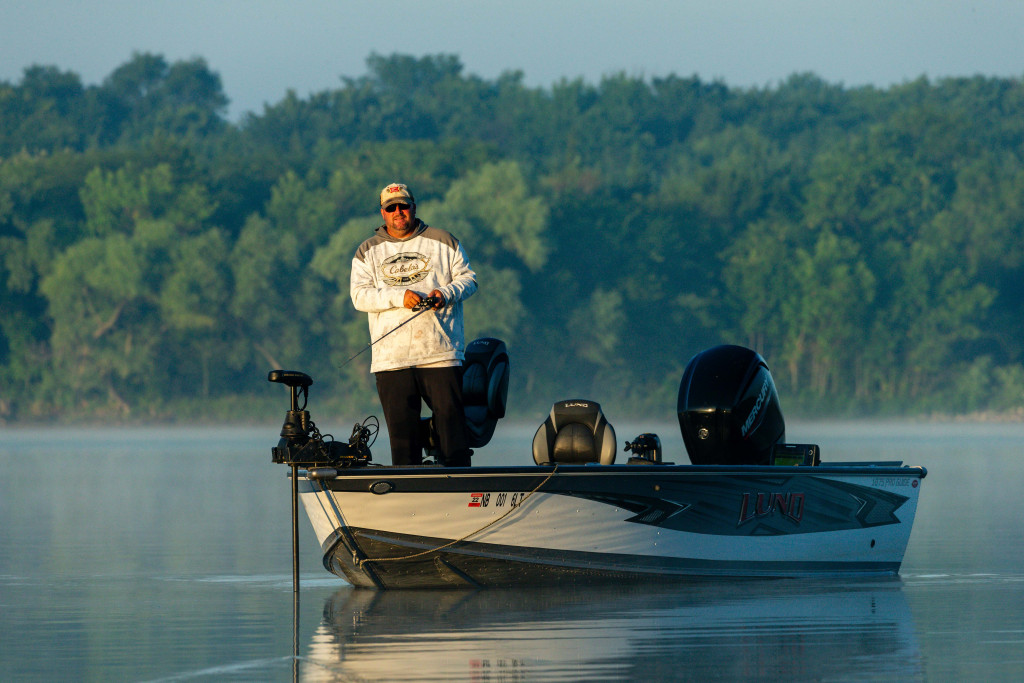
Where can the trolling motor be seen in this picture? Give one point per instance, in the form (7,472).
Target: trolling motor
(302,443)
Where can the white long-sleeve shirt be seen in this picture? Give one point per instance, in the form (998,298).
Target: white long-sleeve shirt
(383,268)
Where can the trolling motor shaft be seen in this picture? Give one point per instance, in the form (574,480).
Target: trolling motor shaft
(294,432)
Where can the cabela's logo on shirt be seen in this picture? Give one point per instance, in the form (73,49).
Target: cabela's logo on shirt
(405,268)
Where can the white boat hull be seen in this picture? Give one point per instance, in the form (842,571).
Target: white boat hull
(490,526)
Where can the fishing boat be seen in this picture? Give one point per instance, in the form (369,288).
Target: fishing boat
(747,504)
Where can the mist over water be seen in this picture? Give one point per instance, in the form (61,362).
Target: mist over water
(165,554)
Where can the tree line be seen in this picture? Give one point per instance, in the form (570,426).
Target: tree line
(158,259)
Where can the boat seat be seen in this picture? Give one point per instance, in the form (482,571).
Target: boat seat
(485,372)
(575,432)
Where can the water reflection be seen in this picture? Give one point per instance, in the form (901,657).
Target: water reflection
(729,630)
(166,555)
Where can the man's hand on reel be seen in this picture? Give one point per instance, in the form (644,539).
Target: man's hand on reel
(416,302)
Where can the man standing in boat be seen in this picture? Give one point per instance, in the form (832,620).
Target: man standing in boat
(405,263)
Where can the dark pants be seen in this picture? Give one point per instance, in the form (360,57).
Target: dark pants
(400,392)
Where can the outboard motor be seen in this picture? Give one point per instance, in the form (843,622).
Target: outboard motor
(485,373)
(729,409)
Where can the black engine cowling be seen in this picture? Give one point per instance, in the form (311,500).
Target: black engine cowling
(729,409)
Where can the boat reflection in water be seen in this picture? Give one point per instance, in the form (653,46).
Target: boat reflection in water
(731,629)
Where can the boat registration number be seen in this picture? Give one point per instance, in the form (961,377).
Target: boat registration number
(498,500)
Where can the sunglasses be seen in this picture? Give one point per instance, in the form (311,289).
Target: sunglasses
(400,207)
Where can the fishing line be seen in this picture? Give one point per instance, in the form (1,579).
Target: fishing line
(422,307)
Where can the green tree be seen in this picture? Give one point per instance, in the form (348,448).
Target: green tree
(147,95)
(104,292)
(45,111)
(827,294)
(193,304)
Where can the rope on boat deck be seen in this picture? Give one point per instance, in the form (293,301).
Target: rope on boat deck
(361,562)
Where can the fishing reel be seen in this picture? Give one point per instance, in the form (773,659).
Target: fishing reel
(646,448)
(302,443)
(427,302)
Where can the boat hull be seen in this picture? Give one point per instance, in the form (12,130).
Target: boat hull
(500,526)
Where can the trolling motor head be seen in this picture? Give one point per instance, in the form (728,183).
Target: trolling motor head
(296,421)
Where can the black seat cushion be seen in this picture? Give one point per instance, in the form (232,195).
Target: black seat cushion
(575,432)
(574,443)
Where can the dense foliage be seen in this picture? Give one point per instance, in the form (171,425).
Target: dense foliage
(158,259)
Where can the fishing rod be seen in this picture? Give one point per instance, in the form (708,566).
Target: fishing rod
(422,307)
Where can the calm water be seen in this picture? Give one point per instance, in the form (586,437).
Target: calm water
(165,555)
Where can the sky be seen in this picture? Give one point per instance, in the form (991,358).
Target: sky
(263,48)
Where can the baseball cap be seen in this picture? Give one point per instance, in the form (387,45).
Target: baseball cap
(395,193)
